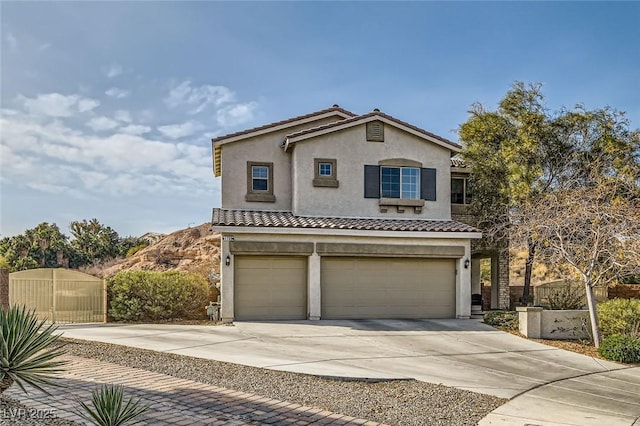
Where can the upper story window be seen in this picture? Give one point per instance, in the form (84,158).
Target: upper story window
(260,182)
(460,193)
(400,182)
(325,174)
(325,169)
(260,178)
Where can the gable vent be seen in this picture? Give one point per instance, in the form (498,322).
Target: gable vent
(375,131)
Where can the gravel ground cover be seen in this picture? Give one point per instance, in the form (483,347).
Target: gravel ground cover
(396,402)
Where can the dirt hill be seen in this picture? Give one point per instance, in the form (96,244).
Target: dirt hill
(195,249)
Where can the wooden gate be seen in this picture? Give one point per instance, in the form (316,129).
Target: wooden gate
(60,295)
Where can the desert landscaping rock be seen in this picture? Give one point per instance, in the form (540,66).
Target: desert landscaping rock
(395,402)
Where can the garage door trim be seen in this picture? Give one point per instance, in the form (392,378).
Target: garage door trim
(386,250)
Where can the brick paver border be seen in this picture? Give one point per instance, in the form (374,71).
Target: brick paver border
(172,401)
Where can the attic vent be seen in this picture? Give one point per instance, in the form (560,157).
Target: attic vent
(375,131)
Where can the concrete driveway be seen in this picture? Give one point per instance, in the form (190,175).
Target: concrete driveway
(546,385)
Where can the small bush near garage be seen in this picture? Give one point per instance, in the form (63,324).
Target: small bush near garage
(621,348)
(568,297)
(153,296)
(506,320)
(619,316)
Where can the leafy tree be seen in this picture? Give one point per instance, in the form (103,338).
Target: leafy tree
(514,155)
(46,247)
(41,247)
(594,229)
(521,153)
(127,246)
(94,241)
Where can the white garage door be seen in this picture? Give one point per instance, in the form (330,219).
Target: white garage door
(270,288)
(355,287)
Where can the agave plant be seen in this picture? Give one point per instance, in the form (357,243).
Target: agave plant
(25,353)
(108,407)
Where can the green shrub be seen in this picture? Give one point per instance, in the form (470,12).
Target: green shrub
(507,320)
(109,408)
(621,348)
(153,296)
(133,250)
(618,316)
(27,356)
(566,297)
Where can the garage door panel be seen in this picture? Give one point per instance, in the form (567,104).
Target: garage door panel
(270,288)
(388,288)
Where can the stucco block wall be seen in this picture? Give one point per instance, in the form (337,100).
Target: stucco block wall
(263,148)
(539,323)
(352,151)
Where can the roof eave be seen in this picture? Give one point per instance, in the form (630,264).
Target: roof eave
(223,140)
(235,229)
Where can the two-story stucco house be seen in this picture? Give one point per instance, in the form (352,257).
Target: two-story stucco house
(333,215)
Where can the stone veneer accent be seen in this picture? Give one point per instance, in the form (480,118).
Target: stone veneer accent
(500,253)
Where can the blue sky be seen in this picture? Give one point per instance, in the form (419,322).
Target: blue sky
(108,108)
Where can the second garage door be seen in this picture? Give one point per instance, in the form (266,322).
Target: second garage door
(270,288)
(354,287)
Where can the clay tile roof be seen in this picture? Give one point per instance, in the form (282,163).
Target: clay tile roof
(280,219)
(288,120)
(371,114)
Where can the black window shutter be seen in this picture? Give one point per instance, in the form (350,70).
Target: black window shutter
(371,181)
(428,184)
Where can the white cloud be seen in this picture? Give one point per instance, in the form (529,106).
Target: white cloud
(86,104)
(58,105)
(43,47)
(102,123)
(117,93)
(55,158)
(196,99)
(135,129)
(113,70)
(122,115)
(176,131)
(12,41)
(233,115)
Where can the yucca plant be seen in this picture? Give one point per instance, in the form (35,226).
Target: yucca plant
(26,356)
(108,407)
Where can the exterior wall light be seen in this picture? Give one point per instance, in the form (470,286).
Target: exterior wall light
(227,260)
(466,263)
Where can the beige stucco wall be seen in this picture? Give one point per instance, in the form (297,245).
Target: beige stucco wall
(539,323)
(463,276)
(353,152)
(263,148)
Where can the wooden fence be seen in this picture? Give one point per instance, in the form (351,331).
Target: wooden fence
(60,295)
(542,292)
